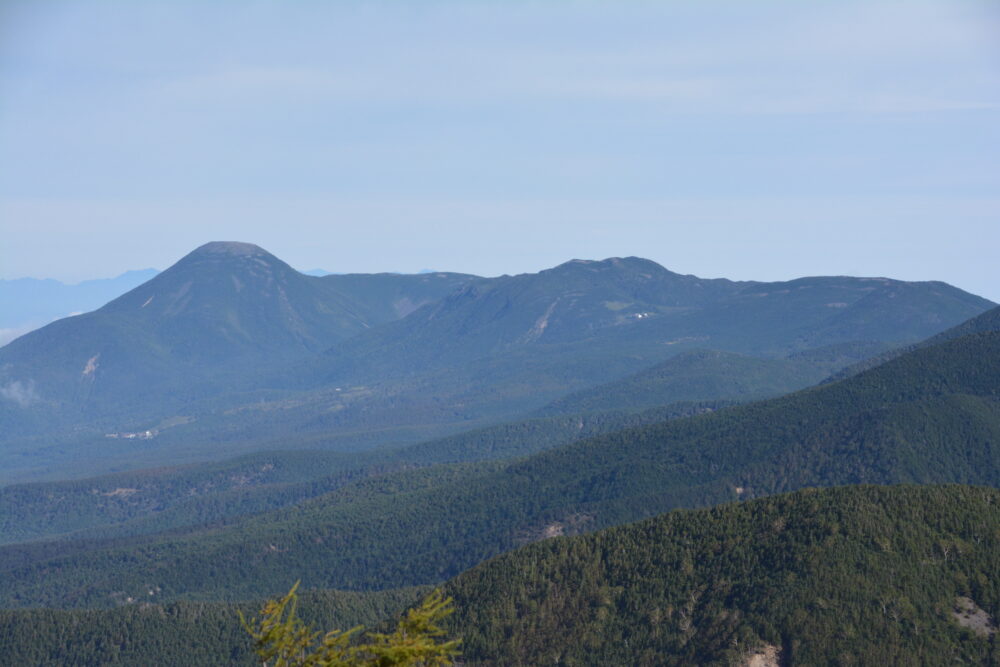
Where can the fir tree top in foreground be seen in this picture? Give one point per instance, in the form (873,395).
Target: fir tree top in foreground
(281,639)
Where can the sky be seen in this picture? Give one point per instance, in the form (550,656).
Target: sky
(750,140)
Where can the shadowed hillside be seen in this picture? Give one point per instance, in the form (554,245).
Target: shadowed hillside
(929,416)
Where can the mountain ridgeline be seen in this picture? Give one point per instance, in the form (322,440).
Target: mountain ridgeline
(230,351)
(600,311)
(226,308)
(988,321)
(29,303)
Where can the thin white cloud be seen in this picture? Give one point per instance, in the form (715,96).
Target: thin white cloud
(21,393)
(784,58)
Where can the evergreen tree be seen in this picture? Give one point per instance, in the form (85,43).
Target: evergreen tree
(282,639)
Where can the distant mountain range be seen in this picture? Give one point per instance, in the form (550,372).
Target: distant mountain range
(632,304)
(220,309)
(29,303)
(231,346)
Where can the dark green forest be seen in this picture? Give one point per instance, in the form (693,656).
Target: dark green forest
(177,634)
(853,575)
(930,416)
(988,321)
(864,575)
(714,375)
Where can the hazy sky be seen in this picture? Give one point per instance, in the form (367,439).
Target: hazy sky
(755,139)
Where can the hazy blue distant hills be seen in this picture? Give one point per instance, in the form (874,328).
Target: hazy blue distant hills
(221,305)
(506,346)
(713,375)
(233,349)
(29,303)
(208,324)
(988,321)
(512,344)
(620,307)
(929,416)
(145,501)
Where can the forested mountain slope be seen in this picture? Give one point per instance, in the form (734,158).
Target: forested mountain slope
(929,416)
(28,303)
(851,575)
(225,308)
(507,346)
(988,321)
(513,344)
(223,303)
(182,634)
(630,304)
(854,575)
(385,297)
(147,501)
(713,375)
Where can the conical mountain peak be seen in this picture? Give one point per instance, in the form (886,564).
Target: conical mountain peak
(210,276)
(221,258)
(226,299)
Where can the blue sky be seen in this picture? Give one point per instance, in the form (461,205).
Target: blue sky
(751,140)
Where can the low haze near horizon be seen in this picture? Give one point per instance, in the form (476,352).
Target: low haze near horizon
(755,140)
